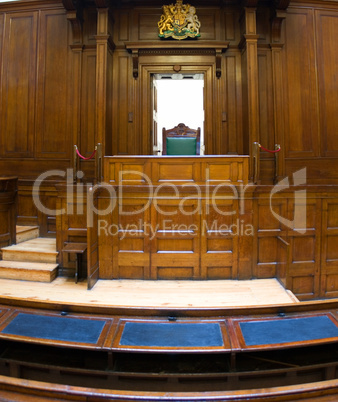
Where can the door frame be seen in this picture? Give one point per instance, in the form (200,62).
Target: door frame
(150,65)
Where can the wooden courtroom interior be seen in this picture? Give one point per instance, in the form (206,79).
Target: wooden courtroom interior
(128,273)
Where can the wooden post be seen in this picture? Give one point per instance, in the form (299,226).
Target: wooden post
(98,163)
(250,80)
(104,48)
(276,46)
(256,162)
(277,161)
(101,73)
(75,163)
(74,16)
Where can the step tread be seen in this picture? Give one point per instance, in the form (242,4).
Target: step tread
(25,233)
(39,245)
(19,265)
(23,229)
(20,251)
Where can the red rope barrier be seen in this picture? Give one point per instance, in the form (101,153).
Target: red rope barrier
(82,157)
(269,150)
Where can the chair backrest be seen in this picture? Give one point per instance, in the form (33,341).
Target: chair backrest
(181,140)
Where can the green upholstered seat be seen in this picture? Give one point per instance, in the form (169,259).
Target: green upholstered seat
(181,140)
(181,146)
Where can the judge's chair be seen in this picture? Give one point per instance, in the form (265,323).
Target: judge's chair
(181,140)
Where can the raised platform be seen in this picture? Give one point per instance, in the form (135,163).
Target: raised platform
(151,294)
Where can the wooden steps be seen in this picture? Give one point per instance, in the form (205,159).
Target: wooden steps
(35,250)
(24,233)
(31,260)
(28,271)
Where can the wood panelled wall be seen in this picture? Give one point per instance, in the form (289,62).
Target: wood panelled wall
(132,109)
(311,259)
(293,98)
(47,100)
(276,87)
(36,89)
(311,98)
(67,78)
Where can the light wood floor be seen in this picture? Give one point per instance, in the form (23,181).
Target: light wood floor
(140,293)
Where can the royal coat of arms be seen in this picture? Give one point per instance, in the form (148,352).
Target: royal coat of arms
(179,21)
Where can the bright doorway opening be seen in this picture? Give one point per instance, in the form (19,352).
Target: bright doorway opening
(179,99)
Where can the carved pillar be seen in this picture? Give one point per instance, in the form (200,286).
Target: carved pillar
(104,48)
(101,75)
(248,45)
(76,80)
(277,44)
(74,16)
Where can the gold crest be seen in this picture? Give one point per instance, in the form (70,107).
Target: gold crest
(179,21)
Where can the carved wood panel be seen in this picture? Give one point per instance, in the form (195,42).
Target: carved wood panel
(32,210)
(53,87)
(2,19)
(327,54)
(131,238)
(19,58)
(274,219)
(175,248)
(27,213)
(166,237)
(329,249)
(87,140)
(231,100)
(268,228)
(220,232)
(266,115)
(175,218)
(71,222)
(125,136)
(301,91)
(304,264)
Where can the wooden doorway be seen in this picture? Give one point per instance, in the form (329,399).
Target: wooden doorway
(147,102)
(177,98)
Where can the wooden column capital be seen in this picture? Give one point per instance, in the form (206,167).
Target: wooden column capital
(248,19)
(277,19)
(74,16)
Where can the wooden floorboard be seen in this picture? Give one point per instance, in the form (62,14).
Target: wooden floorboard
(140,293)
